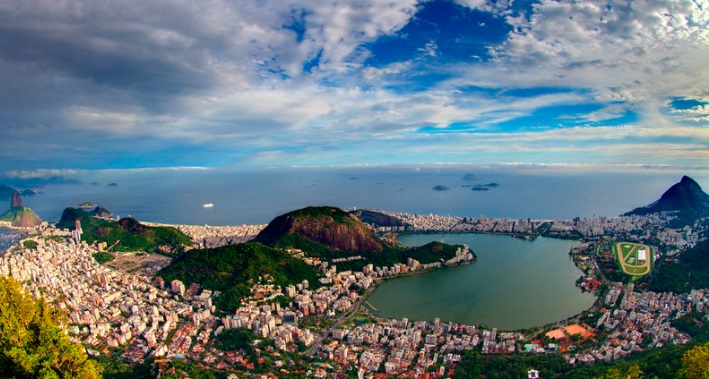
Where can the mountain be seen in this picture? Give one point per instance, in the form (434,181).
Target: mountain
(127,233)
(685,197)
(16,201)
(377,219)
(328,226)
(691,271)
(20,216)
(333,234)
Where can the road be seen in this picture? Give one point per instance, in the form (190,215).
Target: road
(324,335)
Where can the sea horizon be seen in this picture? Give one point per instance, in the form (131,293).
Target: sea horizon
(256,196)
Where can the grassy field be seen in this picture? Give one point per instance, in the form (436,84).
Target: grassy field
(627,254)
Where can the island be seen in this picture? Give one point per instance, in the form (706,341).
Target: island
(86,205)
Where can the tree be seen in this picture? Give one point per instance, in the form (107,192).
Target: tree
(633,372)
(695,363)
(32,345)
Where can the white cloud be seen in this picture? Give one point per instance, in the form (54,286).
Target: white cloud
(699,113)
(40,173)
(492,6)
(429,50)
(371,74)
(627,51)
(98,75)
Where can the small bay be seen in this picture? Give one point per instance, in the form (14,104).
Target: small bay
(515,284)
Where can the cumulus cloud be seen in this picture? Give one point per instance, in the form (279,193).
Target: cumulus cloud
(623,51)
(492,6)
(699,113)
(429,50)
(297,82)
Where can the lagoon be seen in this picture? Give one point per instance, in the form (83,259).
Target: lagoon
(515,284)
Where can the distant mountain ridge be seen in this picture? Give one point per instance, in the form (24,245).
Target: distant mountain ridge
(685,197)
(377,218)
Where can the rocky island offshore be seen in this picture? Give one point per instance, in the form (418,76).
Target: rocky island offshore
(178,313)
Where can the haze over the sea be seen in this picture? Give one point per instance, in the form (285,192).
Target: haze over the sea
(257,196)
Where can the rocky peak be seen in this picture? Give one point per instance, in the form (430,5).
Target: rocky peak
(686,195)
(329,226)
(17,201)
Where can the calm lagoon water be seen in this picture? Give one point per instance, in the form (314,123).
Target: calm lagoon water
(515,284)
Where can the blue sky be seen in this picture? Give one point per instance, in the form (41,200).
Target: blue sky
(89,85)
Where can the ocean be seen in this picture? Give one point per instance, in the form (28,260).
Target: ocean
(177,196)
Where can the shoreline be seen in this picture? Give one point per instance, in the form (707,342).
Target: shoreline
(594,306)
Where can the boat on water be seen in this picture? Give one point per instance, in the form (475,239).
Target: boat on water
(208,205)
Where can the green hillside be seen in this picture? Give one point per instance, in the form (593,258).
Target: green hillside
(130,234)
(330,233)
(233,270)
(21,217)
(692,271)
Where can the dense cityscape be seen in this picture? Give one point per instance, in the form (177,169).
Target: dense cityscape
(139,316)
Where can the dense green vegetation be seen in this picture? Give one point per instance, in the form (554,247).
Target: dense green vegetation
(128,233)
(338,215)
(240,339)
(665,362)
(112,368)
(692,271)
(32,345)
(29,244)
(179,370)
(233,270)
(694,325)
(390,255)
(312,248)
(103,257)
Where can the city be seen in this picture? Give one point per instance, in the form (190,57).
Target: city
(143,317)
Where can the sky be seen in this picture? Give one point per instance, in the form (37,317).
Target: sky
(105,84)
